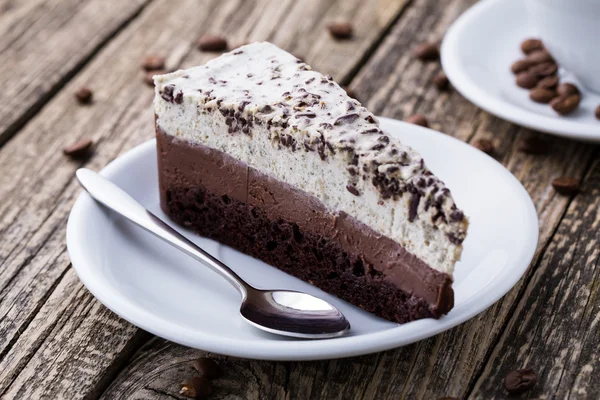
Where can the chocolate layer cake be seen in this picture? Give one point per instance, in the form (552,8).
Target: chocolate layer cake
(263,154)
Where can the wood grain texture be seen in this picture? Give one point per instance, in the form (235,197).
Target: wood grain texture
(43,43)
(55,339)
(456,363)
(555,327)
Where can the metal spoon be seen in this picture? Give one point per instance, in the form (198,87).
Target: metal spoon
(283,312)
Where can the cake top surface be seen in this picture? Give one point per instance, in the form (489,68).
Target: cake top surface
(260,82)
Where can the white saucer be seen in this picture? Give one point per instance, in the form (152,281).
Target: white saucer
(477,53)
(165,292)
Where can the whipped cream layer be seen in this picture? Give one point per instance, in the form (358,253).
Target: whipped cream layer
(268,109)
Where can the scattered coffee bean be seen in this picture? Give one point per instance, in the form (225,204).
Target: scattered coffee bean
(211,43)
(520,66)
(540,56)
(485,145)
(520,381)
(427,51)
(543,70)
(533,145)
(148,77)
(597,112)
(418,119)
(340,30)
(441,81)
(153,63)
(566,185)
(541,95)
(549,82)
(197,387)
(565,89)
(527,80)
(84,95)
(530,45)
(566,104)
(78,149)
(208,368)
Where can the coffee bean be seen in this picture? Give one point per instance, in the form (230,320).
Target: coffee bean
(527,80)
(149,76)
(566,104)
(153,63)
(211,43)
(539,56)
(197,387)
(543,70)
(566,185)
(520,66)
(541,95)
(533,145)
(520,381)
(427,51)
(418,119)
(549,82)
(597,112)
(340,30)
(441,81)
(567,88)
(530,45)
(78,149)
(208,368)
(485,145)
(84,95)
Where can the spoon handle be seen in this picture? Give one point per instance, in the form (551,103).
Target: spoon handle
(113,197)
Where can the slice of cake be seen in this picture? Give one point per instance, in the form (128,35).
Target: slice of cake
(263,154)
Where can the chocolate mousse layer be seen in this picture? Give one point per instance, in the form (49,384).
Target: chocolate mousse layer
(224,199)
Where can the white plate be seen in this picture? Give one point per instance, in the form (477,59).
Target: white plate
(477,53)
(165,292)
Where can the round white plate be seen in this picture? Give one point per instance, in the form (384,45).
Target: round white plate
(477,53)
(167,293)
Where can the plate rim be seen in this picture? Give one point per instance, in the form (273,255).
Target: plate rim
(288,350)
(467,87)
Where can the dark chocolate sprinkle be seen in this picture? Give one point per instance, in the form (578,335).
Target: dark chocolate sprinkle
(265,109)
(370,119)
(454,239)
(167,93)
(306,114)
(346,119)
(456,215)
(235,53)
(178,97)
(414,206)
(352,189)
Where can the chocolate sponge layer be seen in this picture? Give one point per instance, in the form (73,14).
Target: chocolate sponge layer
(222,198)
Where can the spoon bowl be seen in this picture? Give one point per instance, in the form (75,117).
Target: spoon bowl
(292,313)
(282,312)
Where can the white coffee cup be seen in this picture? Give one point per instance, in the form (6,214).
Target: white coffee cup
(570,30)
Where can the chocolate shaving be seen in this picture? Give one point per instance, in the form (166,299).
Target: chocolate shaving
(346,119)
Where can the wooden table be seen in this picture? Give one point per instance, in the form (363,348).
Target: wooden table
(57,341)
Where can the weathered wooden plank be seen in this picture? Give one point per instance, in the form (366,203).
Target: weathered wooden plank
(447,365)
(555,328)
(42,324)
(43,43)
